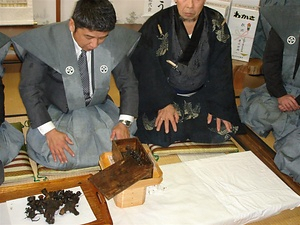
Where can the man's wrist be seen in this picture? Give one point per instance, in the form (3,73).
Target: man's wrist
(127,120)
(45,128)
(127,123)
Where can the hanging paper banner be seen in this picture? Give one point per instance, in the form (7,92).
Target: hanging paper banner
(16,12)
(153,6)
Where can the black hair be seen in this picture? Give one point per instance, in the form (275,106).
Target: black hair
(95,15)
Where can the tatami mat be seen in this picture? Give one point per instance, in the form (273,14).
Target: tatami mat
(14,106)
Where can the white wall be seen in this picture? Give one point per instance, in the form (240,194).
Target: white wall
(44,11)
(128,11)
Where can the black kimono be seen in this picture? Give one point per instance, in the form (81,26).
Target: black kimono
(200,83)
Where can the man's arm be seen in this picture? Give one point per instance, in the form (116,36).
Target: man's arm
(31,90)
(128,87)
(219,92)
(272,66)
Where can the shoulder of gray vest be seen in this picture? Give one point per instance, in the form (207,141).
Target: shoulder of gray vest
(125,38)
(4,39)
(38,41)
(276,17)
(4,47)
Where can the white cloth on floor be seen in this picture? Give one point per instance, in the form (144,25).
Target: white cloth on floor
(231,189)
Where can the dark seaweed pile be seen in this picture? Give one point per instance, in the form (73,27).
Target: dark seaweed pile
(50,202)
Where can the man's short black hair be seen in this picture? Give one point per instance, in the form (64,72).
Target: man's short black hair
(95,15)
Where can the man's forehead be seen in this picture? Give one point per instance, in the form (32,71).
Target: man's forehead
(93,33)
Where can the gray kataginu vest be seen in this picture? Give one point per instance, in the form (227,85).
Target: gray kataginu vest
(53,45)
(4,46)
(285,20)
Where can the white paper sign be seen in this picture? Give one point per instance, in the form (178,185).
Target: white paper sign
(247,2)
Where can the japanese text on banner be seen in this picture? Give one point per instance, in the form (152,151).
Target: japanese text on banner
(153,6)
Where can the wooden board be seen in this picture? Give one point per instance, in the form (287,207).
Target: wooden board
(136,194)
(98,205)
(119,176)
(132,147)
(105,161)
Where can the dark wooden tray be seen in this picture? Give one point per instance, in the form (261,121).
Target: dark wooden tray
(97,204)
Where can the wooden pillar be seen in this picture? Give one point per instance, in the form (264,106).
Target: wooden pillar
(58,6)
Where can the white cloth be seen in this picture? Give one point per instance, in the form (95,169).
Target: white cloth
(236,188)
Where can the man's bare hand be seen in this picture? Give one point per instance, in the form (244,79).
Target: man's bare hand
(58,143)
(120,131)
(167,115)
(219,122)
(287,103)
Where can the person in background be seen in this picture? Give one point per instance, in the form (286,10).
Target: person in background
(263,28)
(275,105)
(11,139)
(184,67)
(73,120)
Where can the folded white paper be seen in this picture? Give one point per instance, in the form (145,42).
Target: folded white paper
(236,188)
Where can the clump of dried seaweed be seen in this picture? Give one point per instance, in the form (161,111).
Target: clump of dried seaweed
(50,202)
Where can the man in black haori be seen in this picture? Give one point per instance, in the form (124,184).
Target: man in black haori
(184,68)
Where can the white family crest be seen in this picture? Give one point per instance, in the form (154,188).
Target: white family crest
(291,40)
(69,70)
(103,69)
